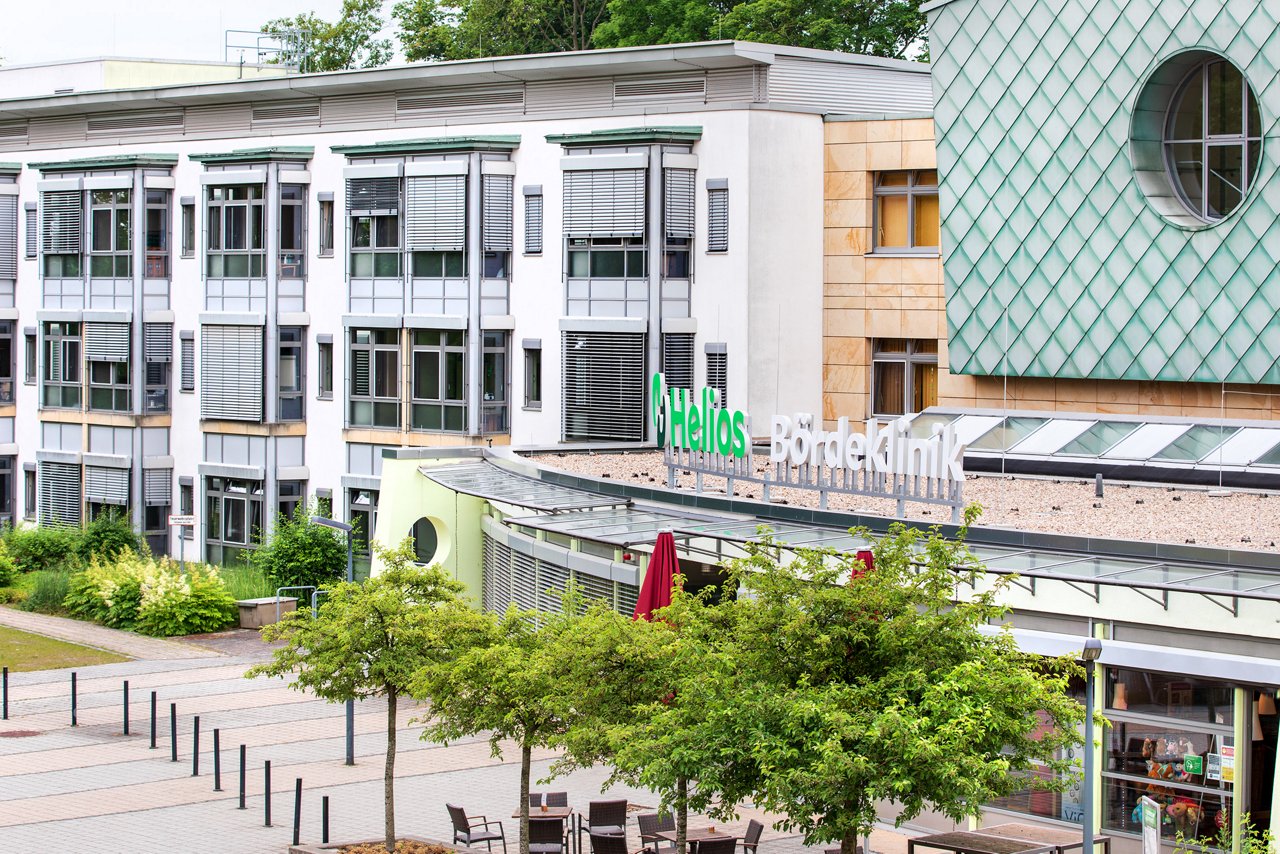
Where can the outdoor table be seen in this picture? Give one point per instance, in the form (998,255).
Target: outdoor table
(1062,840)
(977,842)
(561,814)
(695,835)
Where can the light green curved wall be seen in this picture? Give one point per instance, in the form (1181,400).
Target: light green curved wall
(1042,213)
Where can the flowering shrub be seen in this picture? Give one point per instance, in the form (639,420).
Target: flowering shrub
(151,596)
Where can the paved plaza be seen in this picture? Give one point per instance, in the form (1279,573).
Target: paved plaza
(93,789)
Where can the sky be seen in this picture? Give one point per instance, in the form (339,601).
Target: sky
(50,30)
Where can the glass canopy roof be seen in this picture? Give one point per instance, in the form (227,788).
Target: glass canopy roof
(486,480)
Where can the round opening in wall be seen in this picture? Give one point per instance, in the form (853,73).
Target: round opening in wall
(1196,138)
(425,540)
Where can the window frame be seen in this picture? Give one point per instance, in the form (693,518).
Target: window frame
(29,496)
(68,338)
(119,390)
(912,191)
(592,247)
(8,332)
(292,341)
(156,261)
(533,378)
(495,410)
(395,227)
(373,400)
(291,263)
(119,213)
(449,345)
(325,237)
(911,356)
(219,489)
(31,357)
(324,369)
(221,198)
(188,249)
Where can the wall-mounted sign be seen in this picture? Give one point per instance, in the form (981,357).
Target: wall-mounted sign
(1213,766)
(693,425)
(1193,764)
(1228,764)
(888,449)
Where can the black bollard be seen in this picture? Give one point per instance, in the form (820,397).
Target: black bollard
(6,694)
(126,707)
(324,820)
(173,732)
(73,698)
(242,776)
(266,793)
(195,747)
(217,762)
(297,811)
(153,720)
(1097,486)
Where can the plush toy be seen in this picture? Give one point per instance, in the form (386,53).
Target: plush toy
(1186,815)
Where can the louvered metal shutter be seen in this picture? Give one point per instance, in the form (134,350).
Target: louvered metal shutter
(497,223)
(106,485)
(524,581)
(718,375)
(157,487)
(628,595)
(677,360)
(496,583)
(603,386)
(157,342)
(62,222)
(551,583)
(373,196)
(604,203)
(106,342)
(436,213)
(59,494)
(188,364)
(231,372)
(33,232)
(8,237)
(360,372)
(677,202)
(593,588)
(718,220)
(533,224)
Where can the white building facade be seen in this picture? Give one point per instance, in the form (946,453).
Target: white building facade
(225,299)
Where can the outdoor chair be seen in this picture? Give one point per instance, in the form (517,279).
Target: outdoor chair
(718,846)
(612,843)
(468,831)
(546,836)
(751,841)
(608,818)
(557,799)
(651,824)
(535,800)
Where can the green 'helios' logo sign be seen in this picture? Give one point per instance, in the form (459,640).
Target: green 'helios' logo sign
(698,424)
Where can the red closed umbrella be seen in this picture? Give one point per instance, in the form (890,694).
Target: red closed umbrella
(655,592)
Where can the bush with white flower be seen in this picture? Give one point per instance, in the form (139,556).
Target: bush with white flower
(151,595)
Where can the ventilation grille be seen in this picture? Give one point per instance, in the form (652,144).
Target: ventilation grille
(604,386)
(677,360)
(287,113)
(147,121)
(13,132)
(718,376)
(469,99)
(496,581)
(664,87)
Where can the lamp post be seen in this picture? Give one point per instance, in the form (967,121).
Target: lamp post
(351,704)
(1090,654)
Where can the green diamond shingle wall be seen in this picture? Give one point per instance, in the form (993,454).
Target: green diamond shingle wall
(1042,212)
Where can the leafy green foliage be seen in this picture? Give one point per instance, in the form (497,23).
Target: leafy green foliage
(314,44)
(1252,840)
(107,535)
(370,639)
(300,552)
(48,588)
(150,596)
(8,569)
(35,548)
(245,581)
(431,29)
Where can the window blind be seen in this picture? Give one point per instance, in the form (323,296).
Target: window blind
(717,219)
(8,237)
(496,580)
(188,362)
(33,239)
(603,387)
(59,498)
(604,203)
(677,360)
(231,372)
(718,375)
(533,221)
(677,202)
(104,485)
(61,219)
(373,196)
(360,372)
(436,213)
(157,342)
(157,487)
(497,225)
(106,342)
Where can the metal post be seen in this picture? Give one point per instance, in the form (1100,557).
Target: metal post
(324,820)
(241,776)
(297,811)
(73,698)
(1088,758)
(217,762)
(266,794)
(126,707)
(195,747)
(173,732)
(6,694)
(153,720)
(351,704)
(182,551)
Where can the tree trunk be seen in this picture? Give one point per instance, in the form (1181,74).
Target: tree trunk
(526,755)
(682,814)
(389,776)
(849,842)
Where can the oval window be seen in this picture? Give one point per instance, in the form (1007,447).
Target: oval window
(425,541)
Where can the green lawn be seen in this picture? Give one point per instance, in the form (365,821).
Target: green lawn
(21,651)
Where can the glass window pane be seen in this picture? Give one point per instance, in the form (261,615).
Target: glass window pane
(386,264)
(893,179)
(214,225)
(607,265)
(426,375)
(1226,99)
(255,227)
(235,237)
(237,266)
(1225,179)
(123,218)
(891,222)
(1187,121)
(578,265)
(1186,161)
(454,264)
(386,231)
(156,231)
(361,232)
(291,227)
(361,264)
(924,387)
(386,374)
(1006,435)
(101,238)
(1098,438)
(233,530)
(427,264)
(1196,443)
(889,382)
(453,387)
(927,177)
(926,221)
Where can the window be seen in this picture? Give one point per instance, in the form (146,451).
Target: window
(904,376)
(155,527)
(718,372)
(374,391)
(374,207)
(1213,139)
(29,346)
(157,350)
(439,388)
(7,490)
(603,378)
(186,504)
(362,515)
(33,240)
(292,382)
(110,249)
(188,361)
(292,494)
(497,224)
(533,376)
(109,387)
(717,215)
(8,364)
(324,360)
(61,366)
(233,518)
(906,211)
(493,409)
(188,229)
(61,220)
(677,221)
(235,232)
(157,234)
(29,491)
(231,372)
(293,240)
(326,226)
(608,258)
(533,219)
(425,540)
(677,360)
(439,265)
(9,237)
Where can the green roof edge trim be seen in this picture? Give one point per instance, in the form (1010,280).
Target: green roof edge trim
(10,168)
(111,161)
(678,133)
(441,143)
(257,155)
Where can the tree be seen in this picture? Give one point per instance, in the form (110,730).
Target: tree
(884,688)
(314,44)
(431,29)
(109,534)
(301,553)
(369,640)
